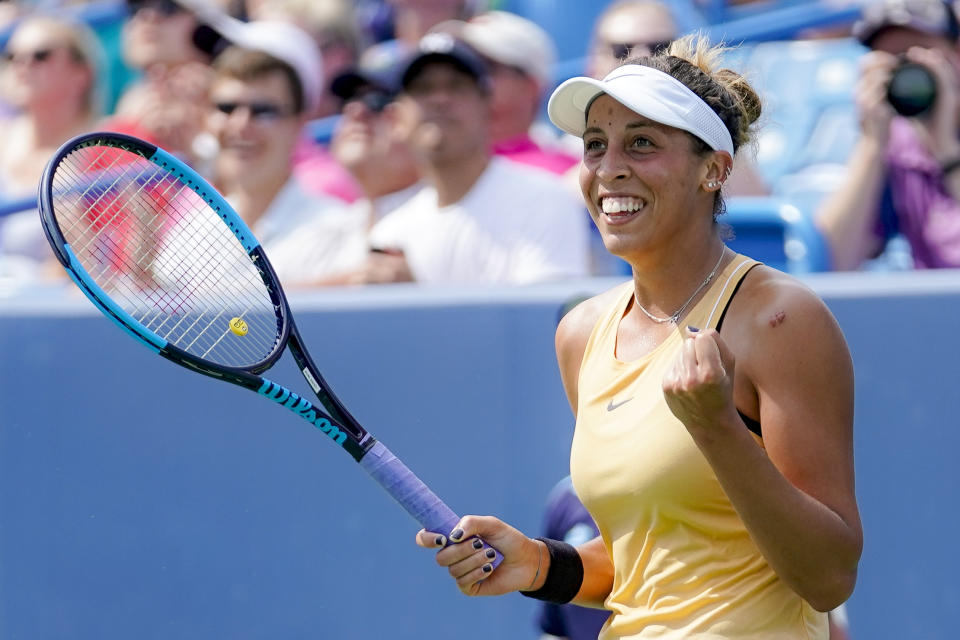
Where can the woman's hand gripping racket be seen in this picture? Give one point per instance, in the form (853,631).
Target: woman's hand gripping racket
(164,256)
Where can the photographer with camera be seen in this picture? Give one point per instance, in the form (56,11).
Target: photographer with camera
(903,176)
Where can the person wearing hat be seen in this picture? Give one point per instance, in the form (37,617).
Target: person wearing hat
(713,395)
(520,57)
(478,218)
(164,105)
(903,175)
(366,140)
(366,144)
(265,85)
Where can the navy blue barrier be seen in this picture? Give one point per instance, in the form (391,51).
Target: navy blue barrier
(138,500)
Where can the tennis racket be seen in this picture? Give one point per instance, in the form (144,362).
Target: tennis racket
(163,255)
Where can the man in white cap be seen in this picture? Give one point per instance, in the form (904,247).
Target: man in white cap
(520,57)
(266,85)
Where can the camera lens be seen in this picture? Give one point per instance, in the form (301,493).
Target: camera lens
(912,89)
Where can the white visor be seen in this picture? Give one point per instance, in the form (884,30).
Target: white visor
(647,91)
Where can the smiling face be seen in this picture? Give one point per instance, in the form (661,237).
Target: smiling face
(644,183)
(256,126)
(42,66)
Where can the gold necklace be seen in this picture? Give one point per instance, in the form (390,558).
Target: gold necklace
(675,316)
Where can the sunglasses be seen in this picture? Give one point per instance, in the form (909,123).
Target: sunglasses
(35,57)
(375,101)
(259,111)
(163,7)
(624,50)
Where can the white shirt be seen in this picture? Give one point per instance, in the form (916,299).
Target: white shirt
(516,225)
(332,242)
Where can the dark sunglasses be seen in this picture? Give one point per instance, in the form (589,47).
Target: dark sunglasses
(163,7)
(375,101)
(622,51)
(262,111)
(38,56)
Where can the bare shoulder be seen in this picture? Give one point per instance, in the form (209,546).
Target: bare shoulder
(573,332)
(575,327)
(776,315)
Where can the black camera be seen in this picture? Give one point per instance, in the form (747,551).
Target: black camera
(912,89)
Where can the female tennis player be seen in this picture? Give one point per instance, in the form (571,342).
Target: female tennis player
(713,395)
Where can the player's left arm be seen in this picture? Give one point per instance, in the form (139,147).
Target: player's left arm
(796,494)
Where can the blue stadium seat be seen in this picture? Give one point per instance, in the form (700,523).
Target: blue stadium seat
(809,112)
(776,233)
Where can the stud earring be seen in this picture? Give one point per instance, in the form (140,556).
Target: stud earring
(713,184)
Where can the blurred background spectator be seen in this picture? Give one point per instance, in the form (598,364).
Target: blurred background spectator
(629,28)
(520,57)
(165,104)
(479,219)
(811,156)
(367,140)
(51,82)
(263,88)
(50,79)
(903,176)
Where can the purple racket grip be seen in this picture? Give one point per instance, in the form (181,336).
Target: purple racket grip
(407,489)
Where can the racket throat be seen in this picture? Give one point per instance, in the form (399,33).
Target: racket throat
(300,406)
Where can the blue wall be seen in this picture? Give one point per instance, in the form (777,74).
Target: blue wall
(137,500)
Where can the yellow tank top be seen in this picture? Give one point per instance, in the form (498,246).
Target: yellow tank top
(684,564)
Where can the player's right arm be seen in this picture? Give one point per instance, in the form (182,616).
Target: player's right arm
(571,341)
(526,562)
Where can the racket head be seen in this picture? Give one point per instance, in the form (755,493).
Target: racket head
(163,255)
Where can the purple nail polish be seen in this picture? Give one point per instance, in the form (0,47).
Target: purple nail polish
(487,568)
(439,541)
(491,554)
(456,534)
(478,544)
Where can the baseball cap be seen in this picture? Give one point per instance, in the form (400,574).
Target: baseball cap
(282,40)
(508,39)
(378,68)
(934,17)
(444,48)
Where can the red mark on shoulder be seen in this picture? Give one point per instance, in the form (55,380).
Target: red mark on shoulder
(777,318)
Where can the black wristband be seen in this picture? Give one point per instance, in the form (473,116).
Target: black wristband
(950,166)
(564,576)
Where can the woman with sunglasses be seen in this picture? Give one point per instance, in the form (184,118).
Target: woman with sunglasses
(50,80)
(713,395)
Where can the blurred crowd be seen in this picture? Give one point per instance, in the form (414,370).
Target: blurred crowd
(375,141)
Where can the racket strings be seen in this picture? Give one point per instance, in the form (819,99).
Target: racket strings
(163,255)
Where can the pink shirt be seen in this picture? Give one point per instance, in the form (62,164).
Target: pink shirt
(525,151)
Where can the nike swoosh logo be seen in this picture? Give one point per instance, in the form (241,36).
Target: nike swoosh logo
(613,405)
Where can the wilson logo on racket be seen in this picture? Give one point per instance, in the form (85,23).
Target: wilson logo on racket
(302,407)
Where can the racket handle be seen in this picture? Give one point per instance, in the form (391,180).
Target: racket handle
(407,489)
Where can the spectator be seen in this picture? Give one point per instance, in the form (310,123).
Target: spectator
(367,144)
(50,77)
(412,19)
(902,175)
(477,220)
(332,24)
(629,28)
(165,106)
(367,141)
(520,57)
(264,86)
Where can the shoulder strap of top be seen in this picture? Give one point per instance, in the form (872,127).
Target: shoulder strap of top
(742,265)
